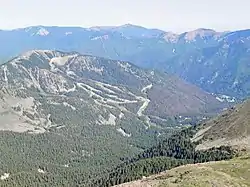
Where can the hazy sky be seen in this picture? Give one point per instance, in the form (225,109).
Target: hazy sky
(169,15)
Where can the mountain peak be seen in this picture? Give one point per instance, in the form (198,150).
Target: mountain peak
(37,30)
(42,32)
(171,37)
(130,25)
(201,32)
(40,57)
(127,25)
(130,30)
(27,54)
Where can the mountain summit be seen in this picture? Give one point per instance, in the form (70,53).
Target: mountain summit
(131,31)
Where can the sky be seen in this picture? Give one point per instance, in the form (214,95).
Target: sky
(168,15)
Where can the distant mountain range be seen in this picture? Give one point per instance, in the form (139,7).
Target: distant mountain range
(218,62)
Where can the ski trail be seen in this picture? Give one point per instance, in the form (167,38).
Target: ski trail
(5,74)
(148,87)
(144,105)
(144,100)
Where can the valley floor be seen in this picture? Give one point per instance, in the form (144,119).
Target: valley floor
(232,173)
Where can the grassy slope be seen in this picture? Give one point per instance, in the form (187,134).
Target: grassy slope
(230,128)
(234,172)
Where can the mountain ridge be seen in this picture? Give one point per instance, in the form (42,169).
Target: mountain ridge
(57,64)
(189,55)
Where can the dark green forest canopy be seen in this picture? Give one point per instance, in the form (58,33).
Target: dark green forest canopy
(172,152)
(64,167)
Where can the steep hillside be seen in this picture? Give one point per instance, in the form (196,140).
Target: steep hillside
(174,151)
(67,113)
(234,172)
(221,68)
(221,138)
(70,79)
(230,128)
